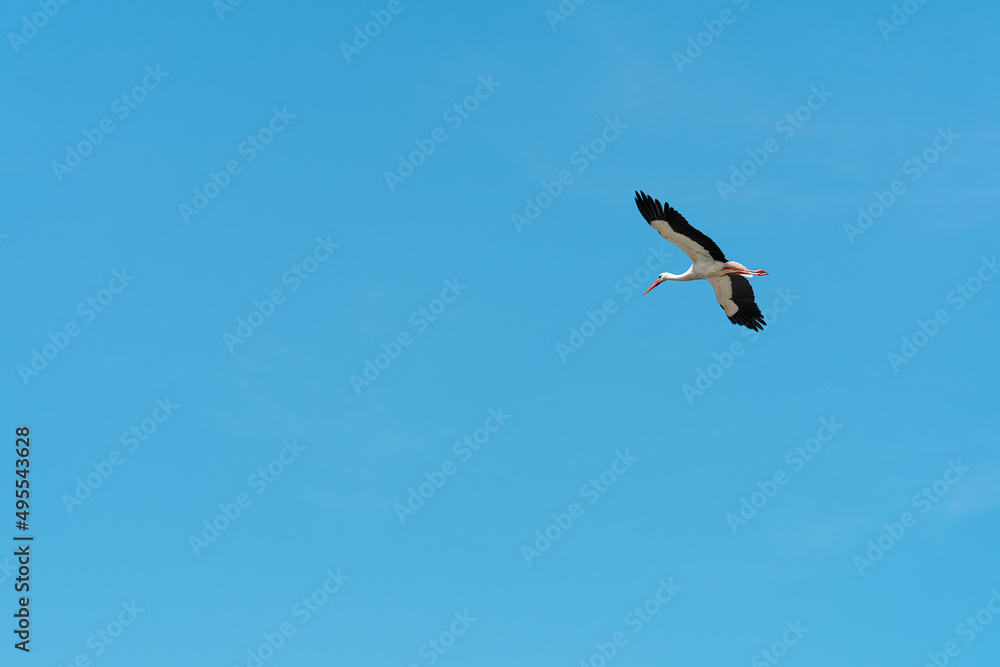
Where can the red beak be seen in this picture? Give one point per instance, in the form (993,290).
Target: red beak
(651,287)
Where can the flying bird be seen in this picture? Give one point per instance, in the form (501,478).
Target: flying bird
(709,263)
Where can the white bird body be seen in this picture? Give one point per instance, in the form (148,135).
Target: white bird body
(709,270)
(708,262)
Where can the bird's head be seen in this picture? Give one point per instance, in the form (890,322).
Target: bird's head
(659,279)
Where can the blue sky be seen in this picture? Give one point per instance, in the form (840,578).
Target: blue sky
(217,222)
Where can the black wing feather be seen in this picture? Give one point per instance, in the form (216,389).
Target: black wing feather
(651,209)
(749,314)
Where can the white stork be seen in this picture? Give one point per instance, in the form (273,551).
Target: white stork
(708,263)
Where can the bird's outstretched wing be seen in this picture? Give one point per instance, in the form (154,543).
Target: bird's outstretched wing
(736,298)
(674,228)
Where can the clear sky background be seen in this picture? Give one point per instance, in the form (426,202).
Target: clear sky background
(699,438)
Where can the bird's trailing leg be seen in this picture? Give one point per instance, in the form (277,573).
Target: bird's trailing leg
(743,271)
